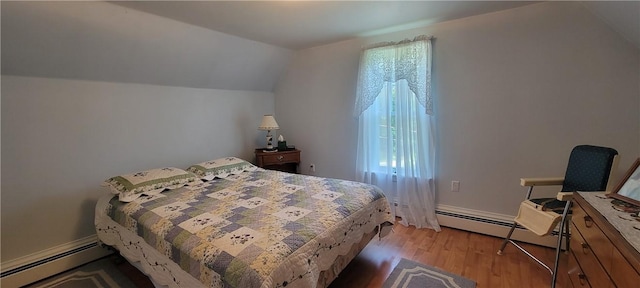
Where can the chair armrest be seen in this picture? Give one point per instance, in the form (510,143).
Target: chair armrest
(564,196)
(548,181)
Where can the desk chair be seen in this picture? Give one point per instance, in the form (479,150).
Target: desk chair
(588,170)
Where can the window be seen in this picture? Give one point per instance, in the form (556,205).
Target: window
(395,128)
(386,121)
(386,117)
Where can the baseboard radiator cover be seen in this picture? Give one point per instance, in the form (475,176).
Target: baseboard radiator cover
(487,223)
(492,224)
(40,265)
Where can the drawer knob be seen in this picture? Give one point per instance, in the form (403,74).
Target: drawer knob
(588,221)
(585,247)
(583,278)
(280,157)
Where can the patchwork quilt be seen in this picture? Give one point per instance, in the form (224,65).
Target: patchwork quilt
(258,228)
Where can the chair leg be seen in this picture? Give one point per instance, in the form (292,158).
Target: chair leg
(506,240)
(567,236)
(554,274)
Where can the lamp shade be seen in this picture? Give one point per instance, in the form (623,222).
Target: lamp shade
(268,123)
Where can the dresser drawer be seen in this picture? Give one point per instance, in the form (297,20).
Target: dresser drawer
(606,251)
(577,277)
(589,264)
(281,158)
(622,272)
(591,234)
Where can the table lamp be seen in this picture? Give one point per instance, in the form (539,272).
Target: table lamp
(269,123)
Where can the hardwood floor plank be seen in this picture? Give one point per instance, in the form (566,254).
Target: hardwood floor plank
(460,252)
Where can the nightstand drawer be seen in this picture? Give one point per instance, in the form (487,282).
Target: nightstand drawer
(281,158)
(286,161)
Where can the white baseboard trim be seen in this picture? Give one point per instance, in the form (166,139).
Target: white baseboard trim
(37,266)
(489,223)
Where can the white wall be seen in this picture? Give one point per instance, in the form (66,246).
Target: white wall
(91,90)
(62,138)
(515,91)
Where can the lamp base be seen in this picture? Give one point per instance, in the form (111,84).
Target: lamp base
(270,150)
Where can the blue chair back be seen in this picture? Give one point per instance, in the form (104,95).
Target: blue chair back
(588,169)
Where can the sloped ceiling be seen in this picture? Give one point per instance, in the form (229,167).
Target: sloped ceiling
(232,45)
(622,16)
(100,41)
(303,24)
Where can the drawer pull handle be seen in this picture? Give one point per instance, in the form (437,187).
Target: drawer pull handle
(585,247)
(588,221)
(280,158)
(583,278)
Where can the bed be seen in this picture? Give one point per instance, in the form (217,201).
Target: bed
(242,226)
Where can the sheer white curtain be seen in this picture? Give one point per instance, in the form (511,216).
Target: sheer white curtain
(395,135)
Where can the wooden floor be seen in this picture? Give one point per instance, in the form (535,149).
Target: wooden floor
(460,252)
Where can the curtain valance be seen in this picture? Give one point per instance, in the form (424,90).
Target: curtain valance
(408,60)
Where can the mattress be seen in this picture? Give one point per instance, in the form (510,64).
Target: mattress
(258,228)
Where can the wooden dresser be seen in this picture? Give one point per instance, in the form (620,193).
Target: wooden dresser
(286,161)
(600,256)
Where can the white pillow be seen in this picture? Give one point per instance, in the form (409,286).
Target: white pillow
(221,168)
(150,182)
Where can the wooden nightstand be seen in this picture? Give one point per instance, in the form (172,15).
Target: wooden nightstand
(286,161)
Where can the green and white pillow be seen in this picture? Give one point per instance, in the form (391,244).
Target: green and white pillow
(150,182)
(221,168)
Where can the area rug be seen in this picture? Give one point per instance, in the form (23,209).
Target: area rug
(101,273)
(409,274)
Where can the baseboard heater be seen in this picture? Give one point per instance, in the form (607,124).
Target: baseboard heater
(492,224)
(40,265)
(488,221)
(46,260)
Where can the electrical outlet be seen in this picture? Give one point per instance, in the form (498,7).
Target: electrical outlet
(455,186)
(312,167)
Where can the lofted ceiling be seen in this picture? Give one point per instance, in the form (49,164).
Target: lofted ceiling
(622,16)
(302,24)
(209,44)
